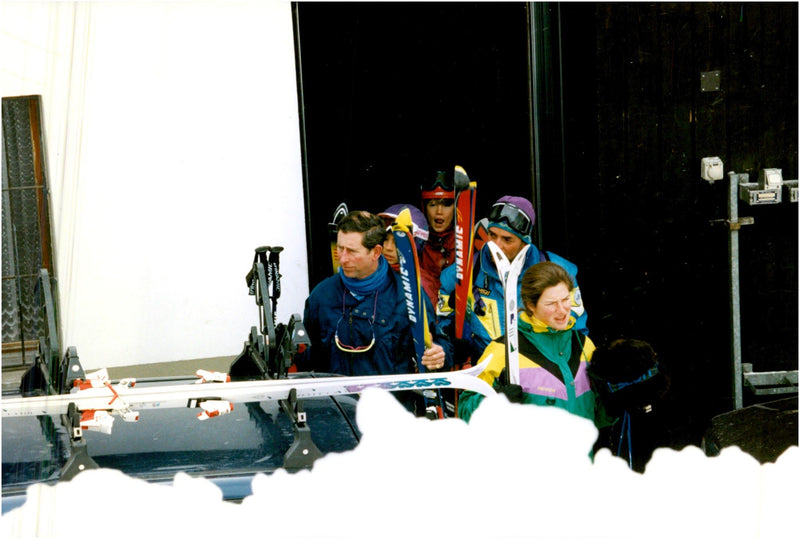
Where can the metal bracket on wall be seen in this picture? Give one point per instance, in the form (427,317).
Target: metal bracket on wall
(767,190)
(770,383)
(710,81)
(770,188)
(731,225)
(790,190)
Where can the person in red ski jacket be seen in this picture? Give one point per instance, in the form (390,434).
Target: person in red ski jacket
(438,203)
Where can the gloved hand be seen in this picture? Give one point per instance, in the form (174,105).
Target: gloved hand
(461,351)
(513,392)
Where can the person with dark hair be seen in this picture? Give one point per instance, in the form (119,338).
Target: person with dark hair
(510,225)
(553,354)
(627,376)
(631,385)
(420,233)
(357,320)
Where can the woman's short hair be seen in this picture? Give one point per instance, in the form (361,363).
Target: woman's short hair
(540,277)
(370,225)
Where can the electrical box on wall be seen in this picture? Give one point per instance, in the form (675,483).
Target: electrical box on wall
(770,178)
(711,169)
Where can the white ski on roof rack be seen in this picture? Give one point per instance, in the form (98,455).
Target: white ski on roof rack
(122,398)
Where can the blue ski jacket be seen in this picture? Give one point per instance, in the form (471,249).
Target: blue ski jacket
(332,312)
(485,318)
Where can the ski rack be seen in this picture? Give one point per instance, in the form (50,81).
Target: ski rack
(269,350)
(79,459)
(52,374)
(303,452)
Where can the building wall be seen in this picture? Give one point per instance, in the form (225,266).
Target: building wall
(638,122)
(173,152)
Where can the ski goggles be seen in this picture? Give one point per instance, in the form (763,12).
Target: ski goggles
(441,186)
(515,218)
(349,348)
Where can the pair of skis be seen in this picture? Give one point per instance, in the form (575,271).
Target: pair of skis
(402,228)
(509,272)
(124,397)
(464,223)
(466,194)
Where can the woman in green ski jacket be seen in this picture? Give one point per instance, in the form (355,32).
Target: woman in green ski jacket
(553,355)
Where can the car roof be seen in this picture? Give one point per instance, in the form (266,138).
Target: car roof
(254,437)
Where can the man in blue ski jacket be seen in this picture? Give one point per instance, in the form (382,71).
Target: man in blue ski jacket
(510,226)
(357,320)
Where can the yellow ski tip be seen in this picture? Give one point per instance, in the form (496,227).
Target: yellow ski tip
(403,220)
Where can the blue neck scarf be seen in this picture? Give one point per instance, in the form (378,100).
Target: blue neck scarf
(362,287)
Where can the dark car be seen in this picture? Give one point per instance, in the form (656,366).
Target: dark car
(228,450)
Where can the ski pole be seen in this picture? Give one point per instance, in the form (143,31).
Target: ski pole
(275,277)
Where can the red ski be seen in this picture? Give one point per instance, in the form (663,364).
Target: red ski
(465,222)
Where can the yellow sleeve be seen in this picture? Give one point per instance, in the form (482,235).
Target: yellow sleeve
(588,349)
(497,363)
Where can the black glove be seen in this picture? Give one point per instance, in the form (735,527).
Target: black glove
(462,350)
(513,392)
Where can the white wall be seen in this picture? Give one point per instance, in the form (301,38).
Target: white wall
(173,151)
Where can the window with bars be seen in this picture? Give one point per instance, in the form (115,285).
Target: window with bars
(26,227)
